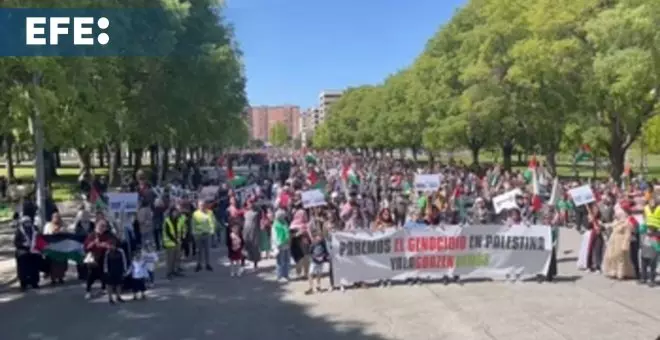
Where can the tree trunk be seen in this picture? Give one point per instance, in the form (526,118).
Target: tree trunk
(130,158)
(617,156)
(507,152)
(153,157)
(475,154)
(50,166)
(84,160)
(520,157)
(101,156)
(164,163)
(118,158)
(178,156)
(58,160)
(9,139)
(551,162)
(137,159)
(113,166)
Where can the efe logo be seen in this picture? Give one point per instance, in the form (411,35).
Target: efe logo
(35,30)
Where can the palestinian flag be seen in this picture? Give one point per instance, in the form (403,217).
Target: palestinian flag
(349,176)
(61,247)
(583,154)
(312,177)
(238,181)
(531,170)
(310,159)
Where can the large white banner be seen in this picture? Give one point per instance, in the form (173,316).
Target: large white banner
(478,251)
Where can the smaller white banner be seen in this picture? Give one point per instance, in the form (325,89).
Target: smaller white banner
(313,198)
(427,182)
(582,195)
(506,200)
(123,201)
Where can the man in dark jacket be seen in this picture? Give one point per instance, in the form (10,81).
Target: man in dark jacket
(27,263)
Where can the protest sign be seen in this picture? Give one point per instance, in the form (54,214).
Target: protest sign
(123,208)
(209,173)
(313,198)
(490,251)
(427,183)
(582,195)
(506,200)
(243,193)
(208,193)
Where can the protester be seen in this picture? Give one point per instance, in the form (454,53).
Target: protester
(173,234)
(139,274)
(281,245)
(319,255)
(114,270)
(57,266)
(203,230)
(27,262)
(251,233)
(235,251)
(96,245)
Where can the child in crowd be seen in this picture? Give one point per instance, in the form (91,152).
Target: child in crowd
(150,258)
(139,274)
(235,251)
(114,268)
(319,255)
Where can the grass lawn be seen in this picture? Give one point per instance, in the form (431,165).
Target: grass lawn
(65,186)
(565,166)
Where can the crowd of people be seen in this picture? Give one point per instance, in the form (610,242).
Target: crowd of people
(622,223)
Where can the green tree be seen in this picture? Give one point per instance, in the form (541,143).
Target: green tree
(279,134)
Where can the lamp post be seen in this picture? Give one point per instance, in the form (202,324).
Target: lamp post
(36,128)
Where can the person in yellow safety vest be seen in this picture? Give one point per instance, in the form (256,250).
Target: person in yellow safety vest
(652,213)
(203,228)
(174,230)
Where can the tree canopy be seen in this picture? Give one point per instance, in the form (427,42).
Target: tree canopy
(544,76)
(191,96)
(279,134)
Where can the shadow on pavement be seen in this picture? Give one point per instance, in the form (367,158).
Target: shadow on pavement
(567,259)
(206,305)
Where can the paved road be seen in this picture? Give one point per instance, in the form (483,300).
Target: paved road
(215,306)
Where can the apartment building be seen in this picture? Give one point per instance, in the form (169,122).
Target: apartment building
(309,120)
(263,118)
(327,98)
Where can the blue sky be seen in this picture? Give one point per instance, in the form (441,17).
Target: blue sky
(294,49)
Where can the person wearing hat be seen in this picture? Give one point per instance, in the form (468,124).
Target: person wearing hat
(203,227)
(27,263)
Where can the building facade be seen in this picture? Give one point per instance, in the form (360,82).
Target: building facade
(326,99)
(263,118)
(309,120)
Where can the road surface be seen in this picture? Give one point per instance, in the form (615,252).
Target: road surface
(215,306)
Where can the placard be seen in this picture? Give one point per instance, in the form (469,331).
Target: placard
(582,195)
(313,198)
(428,182)
(506,200)
(480,251)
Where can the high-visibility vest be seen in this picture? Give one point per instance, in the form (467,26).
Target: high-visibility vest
(177,230)
(652,216)
(203,222)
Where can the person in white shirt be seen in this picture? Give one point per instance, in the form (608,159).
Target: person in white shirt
(150,258)
(139,275)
